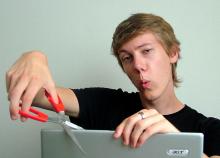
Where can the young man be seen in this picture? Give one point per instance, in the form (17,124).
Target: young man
(148,51)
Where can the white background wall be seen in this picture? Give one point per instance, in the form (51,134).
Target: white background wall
(76,37)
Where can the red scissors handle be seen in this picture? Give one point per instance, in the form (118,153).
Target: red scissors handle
(34,114)
(58,107)
(40,116)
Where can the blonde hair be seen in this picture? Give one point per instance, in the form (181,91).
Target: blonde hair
(140,23)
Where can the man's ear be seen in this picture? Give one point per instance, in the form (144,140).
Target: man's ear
(174,54)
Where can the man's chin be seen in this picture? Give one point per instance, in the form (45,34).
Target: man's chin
(146,94)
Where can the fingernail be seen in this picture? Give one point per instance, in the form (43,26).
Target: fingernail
(138,145)
(23,119)
(125,143)
(133,146)
(14,117)
(115,134)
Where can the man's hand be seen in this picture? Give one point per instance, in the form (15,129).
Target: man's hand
(25,78)
(136,129)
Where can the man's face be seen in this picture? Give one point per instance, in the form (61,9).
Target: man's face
(147,65)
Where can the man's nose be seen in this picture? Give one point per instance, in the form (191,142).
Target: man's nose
(140,64)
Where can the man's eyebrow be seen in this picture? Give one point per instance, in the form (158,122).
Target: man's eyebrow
(140,46)
(122,51)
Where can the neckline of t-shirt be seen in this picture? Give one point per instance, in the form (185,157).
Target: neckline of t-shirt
(178,112)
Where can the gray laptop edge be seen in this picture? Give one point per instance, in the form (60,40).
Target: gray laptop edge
(101,144)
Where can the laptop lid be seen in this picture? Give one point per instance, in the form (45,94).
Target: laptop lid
(101,144)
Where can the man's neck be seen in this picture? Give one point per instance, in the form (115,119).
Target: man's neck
(165,104)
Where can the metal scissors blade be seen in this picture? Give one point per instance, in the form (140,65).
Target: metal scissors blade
(60,119)
(72,136)
(57,120)
(73,126)
(67,126)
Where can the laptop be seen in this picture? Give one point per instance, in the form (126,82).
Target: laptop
(101,144)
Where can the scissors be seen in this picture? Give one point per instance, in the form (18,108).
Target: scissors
(60,119)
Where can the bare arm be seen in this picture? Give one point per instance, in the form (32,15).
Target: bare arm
(68,97)
(211,156)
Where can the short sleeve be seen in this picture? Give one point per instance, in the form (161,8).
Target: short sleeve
(212,136)
(104,108)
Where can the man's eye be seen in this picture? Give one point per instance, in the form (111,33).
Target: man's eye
(126,58)
(147,50)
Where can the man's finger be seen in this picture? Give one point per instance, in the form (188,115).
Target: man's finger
(129,126)
(31,91)
(51,89)
(142,125)
(15,95)
(119,129)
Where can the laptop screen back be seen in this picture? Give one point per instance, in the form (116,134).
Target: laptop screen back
(101,144)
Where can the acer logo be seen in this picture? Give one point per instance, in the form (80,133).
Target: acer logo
(178,152)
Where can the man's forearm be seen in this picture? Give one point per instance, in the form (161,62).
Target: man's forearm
(205,156)
(67,96)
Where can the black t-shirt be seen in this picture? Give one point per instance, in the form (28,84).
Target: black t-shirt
(103,108)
